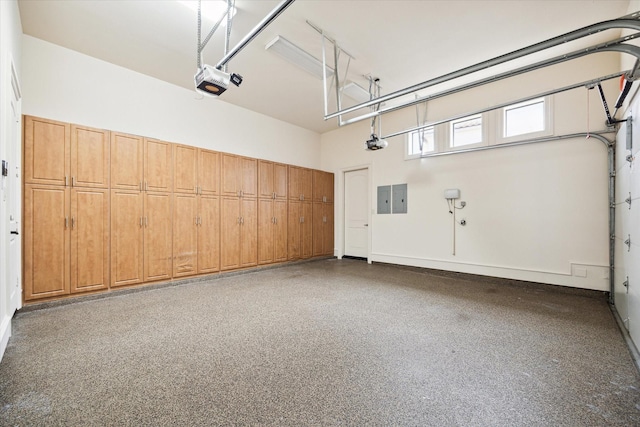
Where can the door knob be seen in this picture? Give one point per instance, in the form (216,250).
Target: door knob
(366,225)
(15,232)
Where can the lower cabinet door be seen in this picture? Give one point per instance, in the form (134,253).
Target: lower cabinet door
(208,234)
(46,241)
(89,239)
(158,227)
(185,235)
(127,237)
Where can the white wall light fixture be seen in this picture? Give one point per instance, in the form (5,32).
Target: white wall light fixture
(297,56)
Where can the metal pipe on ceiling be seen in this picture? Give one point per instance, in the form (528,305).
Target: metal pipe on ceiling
(619,23)
(506,104)
(254,32)
(614,45)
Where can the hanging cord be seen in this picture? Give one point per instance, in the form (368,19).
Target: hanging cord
(198,47)
(227,36)
(421,132)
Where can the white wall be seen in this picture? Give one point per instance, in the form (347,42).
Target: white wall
(10,40)
(536,212)
(65,85)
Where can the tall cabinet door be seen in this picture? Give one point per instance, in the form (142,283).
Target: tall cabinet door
(294,222)
(229,233)
(208,234)
(46,241)
(157,236)
(127,237)
(185,169)
(89,239)
(306,230)
(280,230)
(89,157)
(185,235)
(127,168)
(318,229)
(46,152)
(209,172)
(265,231)
(158,165)
(328,233)
(249,233)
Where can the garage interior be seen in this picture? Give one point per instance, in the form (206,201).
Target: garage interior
(319,213)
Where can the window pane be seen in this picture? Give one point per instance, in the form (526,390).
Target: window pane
(466,132)
(426,136)
(520,119)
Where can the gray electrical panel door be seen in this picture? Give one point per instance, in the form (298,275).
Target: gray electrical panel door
(399,197)
(384,199)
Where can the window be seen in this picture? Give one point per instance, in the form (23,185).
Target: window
(523,118)
(466,131)
(421,142)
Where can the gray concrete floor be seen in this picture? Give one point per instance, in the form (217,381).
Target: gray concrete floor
(332,342)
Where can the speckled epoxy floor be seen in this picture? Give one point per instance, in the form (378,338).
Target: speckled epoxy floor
(323,343)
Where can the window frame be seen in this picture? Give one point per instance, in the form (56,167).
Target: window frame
(485,125)
(548,121)
(409,142)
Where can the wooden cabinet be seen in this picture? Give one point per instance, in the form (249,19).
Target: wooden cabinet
(58,153)
(127,166)
(322,186)
(300,230)
(47,147)
(66,244)
(196,170)
(300,184)
(185,235)
(239,229)
(157,227)
(46,241)
(89,157)
(127,237)
(185,169)
(158,164)
(272,231)
(322,229)
(272,180)
(89,235)
(239,176)
(208,172)
(208,234)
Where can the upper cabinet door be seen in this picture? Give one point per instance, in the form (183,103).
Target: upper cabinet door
(248,177)
(185,169)
(294,183)
(318,186)
(306,184)
(329,187)
(46,152)
(158,165)
(280,180)
(89,157)
(265,180)
(209,172)
(126,161)
(230,168)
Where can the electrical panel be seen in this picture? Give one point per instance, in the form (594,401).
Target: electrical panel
(399,198)
(384,199)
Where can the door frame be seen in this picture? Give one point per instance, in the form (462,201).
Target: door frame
(340,225)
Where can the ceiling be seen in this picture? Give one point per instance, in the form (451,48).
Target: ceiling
(401,42)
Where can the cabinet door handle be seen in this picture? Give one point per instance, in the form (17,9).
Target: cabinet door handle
(238,220)
(140,185)
(242,218)
(275,220)
(146,221)
(146,186)
(73,222)
(66,222)
(66,182)
(73,181)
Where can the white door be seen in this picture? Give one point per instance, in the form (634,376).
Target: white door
(356,213)
(12,182)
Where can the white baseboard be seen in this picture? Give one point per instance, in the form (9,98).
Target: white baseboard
(5,334)
(584,276)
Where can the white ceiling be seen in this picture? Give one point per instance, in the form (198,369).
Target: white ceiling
(401,42)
